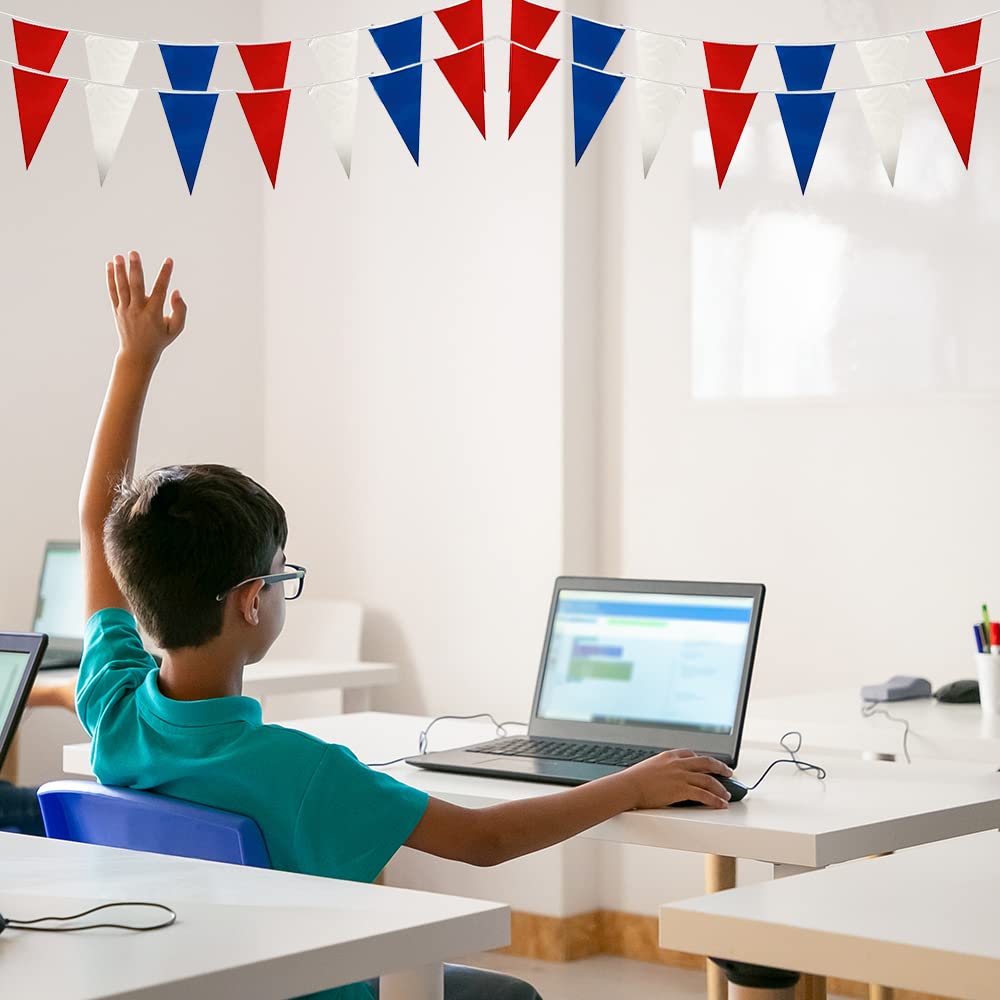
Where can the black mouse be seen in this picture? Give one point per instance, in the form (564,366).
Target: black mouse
(959,693)
(737,791)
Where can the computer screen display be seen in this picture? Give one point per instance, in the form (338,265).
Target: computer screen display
(11,673)
(668,660)
(60,597)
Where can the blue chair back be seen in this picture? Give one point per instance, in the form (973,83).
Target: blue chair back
(88,813)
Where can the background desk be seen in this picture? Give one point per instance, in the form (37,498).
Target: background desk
(924,919)
(240,932)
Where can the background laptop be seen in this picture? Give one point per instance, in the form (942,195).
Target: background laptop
(629,668)
(20,654)
(59,605)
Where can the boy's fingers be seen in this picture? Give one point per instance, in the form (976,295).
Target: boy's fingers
(705,797)
(112,290)
(709,783)
(121,281)
(178,315)
(709,765)
(136,279)
(159,291)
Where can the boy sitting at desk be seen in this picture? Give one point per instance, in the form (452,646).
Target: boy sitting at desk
(198,553)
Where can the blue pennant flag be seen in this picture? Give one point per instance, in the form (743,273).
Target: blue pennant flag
(593,93)
(804,117)
(399,43)
(400,93)
(189,117)
(804,66)
(189,66)
(593,43)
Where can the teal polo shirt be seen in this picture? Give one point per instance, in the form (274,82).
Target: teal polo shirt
(321,811)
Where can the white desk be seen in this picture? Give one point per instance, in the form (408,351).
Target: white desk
(240,932)
(833,719)
(792,821)
(924,919)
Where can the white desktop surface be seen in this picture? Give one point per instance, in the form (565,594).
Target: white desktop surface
(240,932)
(833,719)
(862,808)
(924,919)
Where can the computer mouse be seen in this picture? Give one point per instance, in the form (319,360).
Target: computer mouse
(959,693)
(737,791)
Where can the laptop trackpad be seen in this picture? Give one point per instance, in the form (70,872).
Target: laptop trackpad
(566,770)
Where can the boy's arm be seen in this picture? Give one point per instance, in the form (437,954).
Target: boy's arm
(500,833)
(143,333)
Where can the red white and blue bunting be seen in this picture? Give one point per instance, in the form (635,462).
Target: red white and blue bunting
(803,100)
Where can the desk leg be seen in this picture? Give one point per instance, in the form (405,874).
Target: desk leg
(425,983)
(720,874)
(880,993)
(810,987)
(356,699)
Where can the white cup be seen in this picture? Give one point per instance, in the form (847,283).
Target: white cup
(988,671)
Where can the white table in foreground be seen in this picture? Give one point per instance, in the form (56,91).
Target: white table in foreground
(924,919)
(241,932)
(833,719)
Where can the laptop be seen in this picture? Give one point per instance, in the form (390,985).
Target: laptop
(59,605)
(20,655)
(629,668)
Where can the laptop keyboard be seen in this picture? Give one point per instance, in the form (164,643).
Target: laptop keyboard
(587,753)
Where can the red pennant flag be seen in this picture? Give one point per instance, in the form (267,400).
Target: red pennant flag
(956,96)
(266,64)
(37,46)
(727,118)
(728,64)
(466,72)
(529,23)
(266,114)
(529,72)
(463,22)
(37,97)
(956,47)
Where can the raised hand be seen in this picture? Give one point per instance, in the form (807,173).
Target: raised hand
(144,329)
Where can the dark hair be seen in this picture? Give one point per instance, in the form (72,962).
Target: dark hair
(178,537)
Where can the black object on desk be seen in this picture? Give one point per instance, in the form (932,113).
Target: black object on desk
(959,693)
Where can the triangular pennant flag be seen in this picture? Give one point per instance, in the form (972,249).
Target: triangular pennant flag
(884,59)
(804,117)
(529,72)
(109,59)
(956,47)
(37,97)
(465,71)
(337,55)
(656,104)
(594,43)
(338,105)
(109,108)
(593,93)
(728,65)
(463,22)
(657,56)
(956,96)
(266,114)
(530,23)
(727,113)
(189,117)
(189,67)
(266,64)
(883,108)
(400,43)
(37,46)
(804,66)
(400,93)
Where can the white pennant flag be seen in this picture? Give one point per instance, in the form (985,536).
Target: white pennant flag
(109,59)
(884,105)
(109,109)
(338,105)
(657,56)
(656,103)
(337,55)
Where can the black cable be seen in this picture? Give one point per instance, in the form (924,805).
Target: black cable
(501,730)
(869,708)
(801,765)
(27,925)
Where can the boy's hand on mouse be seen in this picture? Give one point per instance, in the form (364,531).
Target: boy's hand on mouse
(144,330)
(679,776)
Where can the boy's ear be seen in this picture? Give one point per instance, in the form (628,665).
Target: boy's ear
(250,602)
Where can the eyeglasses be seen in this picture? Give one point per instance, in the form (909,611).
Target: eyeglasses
(292,581)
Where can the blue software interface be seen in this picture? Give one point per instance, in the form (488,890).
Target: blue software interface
(667,660)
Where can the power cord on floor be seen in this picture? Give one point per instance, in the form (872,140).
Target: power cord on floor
(501,730)
(870,708)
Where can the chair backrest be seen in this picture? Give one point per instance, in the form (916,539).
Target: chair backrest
(317,629)
(89,813)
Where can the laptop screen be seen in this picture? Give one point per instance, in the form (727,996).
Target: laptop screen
(11,673)
(673,661)
(59,612)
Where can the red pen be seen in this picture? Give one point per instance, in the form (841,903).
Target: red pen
(995,637)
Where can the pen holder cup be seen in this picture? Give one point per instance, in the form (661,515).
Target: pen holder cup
(988,671)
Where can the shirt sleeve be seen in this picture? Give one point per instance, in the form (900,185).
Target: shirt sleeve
(114,664)
(353,819)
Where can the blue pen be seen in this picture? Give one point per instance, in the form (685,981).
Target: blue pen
(978,629)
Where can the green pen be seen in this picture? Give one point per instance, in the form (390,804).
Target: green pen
(986,622)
